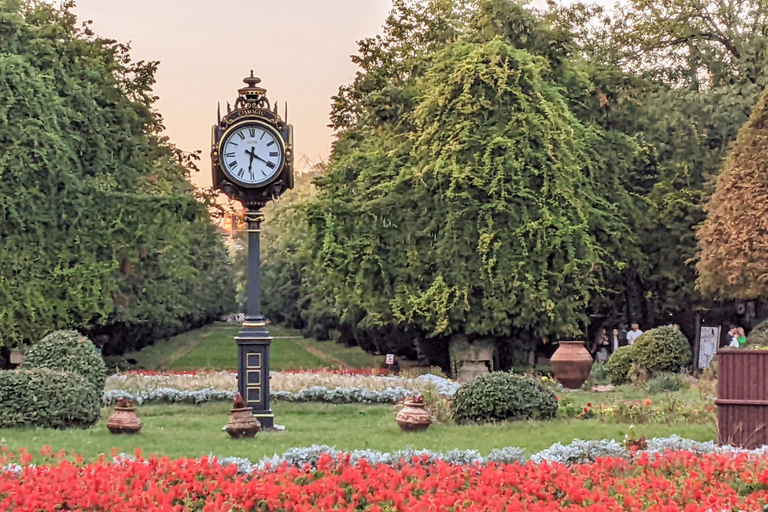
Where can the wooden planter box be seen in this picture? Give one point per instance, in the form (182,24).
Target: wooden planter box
(742,397)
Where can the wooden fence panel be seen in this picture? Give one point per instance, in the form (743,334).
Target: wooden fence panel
(742,397)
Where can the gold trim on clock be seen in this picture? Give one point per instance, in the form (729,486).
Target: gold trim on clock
(251,122)
(253,365)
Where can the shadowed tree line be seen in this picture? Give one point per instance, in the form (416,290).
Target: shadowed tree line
(100,229)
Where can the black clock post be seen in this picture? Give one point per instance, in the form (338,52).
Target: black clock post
(252,157)
(253,341)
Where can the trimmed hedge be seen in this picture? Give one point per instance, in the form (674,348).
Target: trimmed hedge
(68,351)
(656,351)
(662,349)
(619,365)
(502,396)
(43,397)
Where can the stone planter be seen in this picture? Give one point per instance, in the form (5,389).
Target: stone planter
(124,420)
(242,423)
(571,364)
(413,417)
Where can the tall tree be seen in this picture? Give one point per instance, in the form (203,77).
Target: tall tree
(733,240)
(101,229)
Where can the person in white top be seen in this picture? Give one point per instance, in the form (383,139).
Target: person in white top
(633,334)
(615,339)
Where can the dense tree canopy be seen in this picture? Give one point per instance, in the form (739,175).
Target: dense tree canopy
(734,238)
(475,221)
(101,230)
(503,173)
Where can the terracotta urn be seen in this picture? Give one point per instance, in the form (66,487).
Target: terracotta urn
(413,417)
(242,423)
(571,364)
(124,420)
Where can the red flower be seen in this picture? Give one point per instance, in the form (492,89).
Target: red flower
(680,481)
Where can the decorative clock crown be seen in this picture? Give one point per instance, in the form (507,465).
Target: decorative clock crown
(252,92)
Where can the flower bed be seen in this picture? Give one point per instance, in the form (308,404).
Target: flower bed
(334,387)
(665,410)
(665,482)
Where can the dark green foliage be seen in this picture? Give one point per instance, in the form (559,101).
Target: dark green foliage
(502,396)
(71,352)
(665,382)
(620,366)
(42,397)
(101,230)
(662,349)
(478,219)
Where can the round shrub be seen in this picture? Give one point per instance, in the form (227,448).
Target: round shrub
(68,351)
(43,397)
(503,396)
(663,349)
(619,365)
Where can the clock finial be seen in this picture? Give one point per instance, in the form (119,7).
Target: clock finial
(252,91)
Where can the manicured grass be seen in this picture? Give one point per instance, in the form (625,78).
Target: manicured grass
(193,431)
(213,348)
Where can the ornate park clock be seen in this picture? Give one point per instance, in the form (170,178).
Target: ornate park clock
(252,158)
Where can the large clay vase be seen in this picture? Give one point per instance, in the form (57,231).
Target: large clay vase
(571,364)
(242,423)
(413,417)
(124,421)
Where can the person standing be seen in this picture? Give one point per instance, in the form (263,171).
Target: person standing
(733,332)
(633,334)
(602,345)
(741,337)
(615,341)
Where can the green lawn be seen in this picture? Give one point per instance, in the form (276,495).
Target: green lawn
(183,430)
(213,348)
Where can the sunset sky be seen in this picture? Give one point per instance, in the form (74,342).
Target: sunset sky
(300,49)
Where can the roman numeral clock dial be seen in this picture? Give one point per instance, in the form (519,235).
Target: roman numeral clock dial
(252,154)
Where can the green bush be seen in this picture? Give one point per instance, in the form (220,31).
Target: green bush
(598,375)
(68,351)
(665,382)
(619,365)
(503,396)
(43,397)
(663,349)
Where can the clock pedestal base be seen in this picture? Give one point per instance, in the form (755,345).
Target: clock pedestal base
(253,344)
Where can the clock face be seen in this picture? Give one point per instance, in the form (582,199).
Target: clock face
(252,154)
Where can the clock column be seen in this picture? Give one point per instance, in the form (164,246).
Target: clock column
(253,341)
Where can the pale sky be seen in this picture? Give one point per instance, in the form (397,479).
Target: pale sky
(300,48)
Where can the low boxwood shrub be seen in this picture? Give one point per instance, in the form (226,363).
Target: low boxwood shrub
(503,396)
(619,365)
(47,398)
(662,349)
(68,351)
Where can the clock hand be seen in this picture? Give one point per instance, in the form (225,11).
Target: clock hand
(250,162)
(254,155)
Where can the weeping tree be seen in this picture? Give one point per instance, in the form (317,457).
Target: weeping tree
(473,215)
(733,240)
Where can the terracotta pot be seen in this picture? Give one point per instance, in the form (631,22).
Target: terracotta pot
(571,364)
(413,417)
(242,423)
(124,421)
